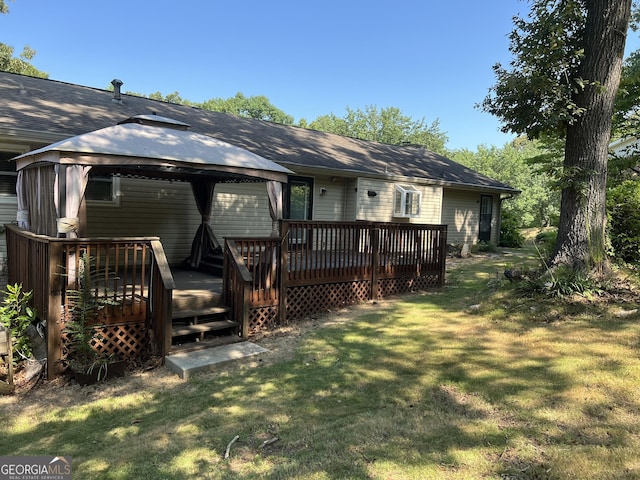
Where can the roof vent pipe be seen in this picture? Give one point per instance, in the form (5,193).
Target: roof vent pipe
(116,90)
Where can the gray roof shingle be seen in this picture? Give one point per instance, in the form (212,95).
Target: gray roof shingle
(65,109)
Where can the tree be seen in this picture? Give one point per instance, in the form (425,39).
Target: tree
(21,64)
(258,107)
(513,164)
(563,82)
(385,125)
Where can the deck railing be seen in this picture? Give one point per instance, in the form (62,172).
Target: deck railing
(131,273)
(323,253)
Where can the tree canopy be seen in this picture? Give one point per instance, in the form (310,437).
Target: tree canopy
(22,63)
(258,107)
(538,204)
(386,125)
(562,83)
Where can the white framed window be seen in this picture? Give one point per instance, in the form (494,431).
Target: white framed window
(103,189)
(407,201)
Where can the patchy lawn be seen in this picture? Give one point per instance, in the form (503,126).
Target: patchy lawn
(473,381)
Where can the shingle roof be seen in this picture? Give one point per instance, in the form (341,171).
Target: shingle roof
(65,109)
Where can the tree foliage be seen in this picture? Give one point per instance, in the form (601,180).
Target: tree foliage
(258,107)
(623,206)
(516,164)
(534,95)
(386,125)
(562,83)
(22,63)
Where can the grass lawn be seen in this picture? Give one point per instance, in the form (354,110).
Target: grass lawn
(471,382)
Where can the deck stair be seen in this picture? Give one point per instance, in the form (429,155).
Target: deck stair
(200,320)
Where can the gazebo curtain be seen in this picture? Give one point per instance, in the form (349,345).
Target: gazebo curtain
(49,198)
(35,192)
(70,185)
(204,243)
(274,189)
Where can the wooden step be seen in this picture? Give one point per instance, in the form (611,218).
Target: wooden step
(203,327)
(191,313)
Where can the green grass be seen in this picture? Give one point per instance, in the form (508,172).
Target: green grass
(465,383)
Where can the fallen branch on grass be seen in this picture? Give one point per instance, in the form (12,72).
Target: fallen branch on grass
(226,453)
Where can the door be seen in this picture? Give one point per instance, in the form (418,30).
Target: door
(486,213)
(299,205)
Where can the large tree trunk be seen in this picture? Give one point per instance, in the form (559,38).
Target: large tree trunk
(581,234)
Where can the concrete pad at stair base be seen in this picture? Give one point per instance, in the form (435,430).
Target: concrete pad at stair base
(187,363)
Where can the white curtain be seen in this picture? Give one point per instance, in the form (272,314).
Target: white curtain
(36,210)
(274,189)
(70,186)
(22,193)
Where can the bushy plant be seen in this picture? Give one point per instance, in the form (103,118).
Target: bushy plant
(84,307)
(562,282)
(510,235)
(16,314)
(623,208)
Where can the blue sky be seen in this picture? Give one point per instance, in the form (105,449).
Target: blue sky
(431,59)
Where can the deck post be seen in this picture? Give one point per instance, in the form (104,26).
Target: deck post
(54,312)
(375,261)
(284,272)
(443,254)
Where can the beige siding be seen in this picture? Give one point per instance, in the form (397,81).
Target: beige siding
(168,210)
(328,206)
(241,210)
(461,213)
(351,200)
(379,208)
(8,210)
(149,208)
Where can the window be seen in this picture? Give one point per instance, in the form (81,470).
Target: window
(102,188)
(8,174)
(407,201)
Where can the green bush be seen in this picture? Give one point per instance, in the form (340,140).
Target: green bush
(562,282)
(16,315)
(623,209)
(510,235)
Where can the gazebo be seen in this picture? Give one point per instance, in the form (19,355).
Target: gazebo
(51,185)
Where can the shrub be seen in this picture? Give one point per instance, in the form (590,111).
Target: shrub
(562,282)
(16,315)
(510,235)
(623,208)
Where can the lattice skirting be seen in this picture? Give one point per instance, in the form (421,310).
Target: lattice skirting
(307,300)
(128,340)
(262,317)
(395,286)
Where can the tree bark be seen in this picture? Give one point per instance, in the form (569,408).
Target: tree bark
(582,231)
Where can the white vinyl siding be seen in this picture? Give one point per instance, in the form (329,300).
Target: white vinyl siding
(379,207)
(461,213)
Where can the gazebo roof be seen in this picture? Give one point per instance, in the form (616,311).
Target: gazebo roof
(155,146)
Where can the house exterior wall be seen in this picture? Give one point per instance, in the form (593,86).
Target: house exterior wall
(379,208)
(461,213)
(168,210)
(149,208)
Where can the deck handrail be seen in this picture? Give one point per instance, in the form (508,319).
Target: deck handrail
(317,252)
(236,286)
(47,266)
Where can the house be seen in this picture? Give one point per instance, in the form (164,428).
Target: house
(306,220)
(335,178)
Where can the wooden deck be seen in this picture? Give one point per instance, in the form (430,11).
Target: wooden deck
(312,267)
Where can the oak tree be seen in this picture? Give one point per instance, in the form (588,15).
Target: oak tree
(563,81)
